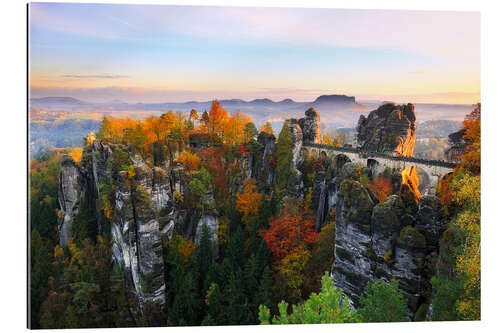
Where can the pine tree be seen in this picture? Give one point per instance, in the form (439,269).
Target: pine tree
(383,302)
(205,259)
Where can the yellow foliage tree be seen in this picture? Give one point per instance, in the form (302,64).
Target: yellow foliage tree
(266,128)
(190,161)
(291,268)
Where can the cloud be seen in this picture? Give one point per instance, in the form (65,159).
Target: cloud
(100,76)
(451,35)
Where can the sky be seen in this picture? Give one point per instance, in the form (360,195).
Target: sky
(160,53)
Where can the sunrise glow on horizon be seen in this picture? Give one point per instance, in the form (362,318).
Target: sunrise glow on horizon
(152,53)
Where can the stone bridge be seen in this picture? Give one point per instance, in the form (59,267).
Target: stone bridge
(433,169)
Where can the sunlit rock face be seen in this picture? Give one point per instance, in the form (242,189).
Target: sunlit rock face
(389,129)
(71,191)
(395,239)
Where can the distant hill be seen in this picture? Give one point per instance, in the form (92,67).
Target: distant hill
(56,101)
(332,108)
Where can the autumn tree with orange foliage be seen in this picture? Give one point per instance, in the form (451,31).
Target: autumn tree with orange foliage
(286,233)
(248,202)
(217,119)
(382,187)
(471,159)
(212,159)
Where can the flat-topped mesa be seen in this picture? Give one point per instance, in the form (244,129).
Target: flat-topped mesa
(389,129)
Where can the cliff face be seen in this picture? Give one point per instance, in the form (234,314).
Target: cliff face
(394,239)
(136,231)
(143,212)
(391,128)
(70,195)
(380,240)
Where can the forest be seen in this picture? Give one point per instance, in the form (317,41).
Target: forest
(270,263)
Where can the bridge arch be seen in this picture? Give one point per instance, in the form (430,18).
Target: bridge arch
(424,180)
(373,165)
(341,159)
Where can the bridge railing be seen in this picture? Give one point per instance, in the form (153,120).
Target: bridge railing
(368,154)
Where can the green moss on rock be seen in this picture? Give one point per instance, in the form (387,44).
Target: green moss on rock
(384,216)
(421,313)
(409,236)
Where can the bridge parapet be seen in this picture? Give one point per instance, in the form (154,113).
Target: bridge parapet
(371,154)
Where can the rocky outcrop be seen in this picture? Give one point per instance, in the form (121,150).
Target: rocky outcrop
(303,131)
(390,129)
(71,191)
(311,126)
(136,232)
(144,211)
(100,155)
(297,141)
(353,266)
(261,163)
(381,241)
(456,146)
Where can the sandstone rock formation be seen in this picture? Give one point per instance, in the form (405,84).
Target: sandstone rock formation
(381,241)
(136,232)
(311,126)
(261,168)
(70,195)
(144,212)
(297,141)
(390,129)
(456,146)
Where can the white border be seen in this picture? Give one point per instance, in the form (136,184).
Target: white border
(13,161)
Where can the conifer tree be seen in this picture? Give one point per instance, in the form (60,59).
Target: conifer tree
(284,156)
